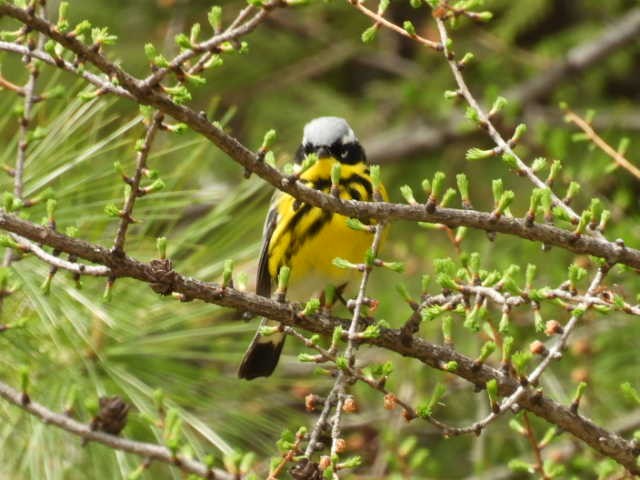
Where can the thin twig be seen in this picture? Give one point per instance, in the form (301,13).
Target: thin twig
(539,465)
(349,352)
(141,164)
(91,270)
(380,20)
(603,145)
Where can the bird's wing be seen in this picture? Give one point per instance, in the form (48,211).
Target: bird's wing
(263,283)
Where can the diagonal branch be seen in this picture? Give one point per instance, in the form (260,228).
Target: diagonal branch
(618,157)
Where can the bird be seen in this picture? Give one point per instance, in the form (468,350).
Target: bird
(307,239)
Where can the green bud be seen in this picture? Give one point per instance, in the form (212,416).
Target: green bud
(467,58)
(409,28)
(503,325)
(630,392)
(572,190)
(374,172)
(161,245)
(352,462)
(437,185)
(596,209)
(283,278)
(372,331)
(505,200)
(538,164)
(227,273)
(51,207)
(268,330)
(447,329)
(24,373)
(492,391)
(446,282)
(498,105)
(497,188)
(156,186)
(369,34)
(342,263)
(111,210)
(585,218)
(483,16)
(579,392)
(426,187)
(312,307)
(342,363)
(463,187)
(357,225)
(556,166)
(517,427)
(510,161)
(451,366)
(336,174)
(447,197)
(397,267)
(487,349)
(83,27)
(472,320)
(519,132)
(407,194)
(215,17)
(195,33)
(268,140)
(107,295)
(604,219)
(479,154)
(507,345)
(183,41)
(451,94)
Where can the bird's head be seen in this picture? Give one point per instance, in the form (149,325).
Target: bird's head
(331,137)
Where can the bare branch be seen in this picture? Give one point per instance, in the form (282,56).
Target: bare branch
(604,146)
(146,450)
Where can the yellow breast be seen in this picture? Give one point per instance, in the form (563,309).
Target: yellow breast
(307,239)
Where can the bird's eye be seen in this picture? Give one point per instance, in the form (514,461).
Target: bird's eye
(308,148)
(344,154)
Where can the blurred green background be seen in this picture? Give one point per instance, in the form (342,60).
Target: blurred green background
(303,63)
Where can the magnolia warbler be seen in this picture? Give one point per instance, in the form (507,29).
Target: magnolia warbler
(306,238)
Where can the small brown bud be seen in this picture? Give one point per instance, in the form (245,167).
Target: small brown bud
(581,346)
(390,401)
(580,375)
(407,415)
(350,405)
(341,445)
(325,462)
(553,327)
(537,348)
(311,402)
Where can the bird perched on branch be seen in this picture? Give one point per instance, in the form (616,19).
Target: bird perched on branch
(306,239)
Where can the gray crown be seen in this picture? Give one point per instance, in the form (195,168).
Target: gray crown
(325,131)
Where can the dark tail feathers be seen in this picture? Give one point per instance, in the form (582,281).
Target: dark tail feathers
(261,357)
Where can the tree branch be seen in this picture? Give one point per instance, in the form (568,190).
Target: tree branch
(165,280)
(147,450)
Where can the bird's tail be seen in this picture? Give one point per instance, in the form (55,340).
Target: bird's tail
(262,356)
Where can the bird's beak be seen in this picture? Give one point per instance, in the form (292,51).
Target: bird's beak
(323,152)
